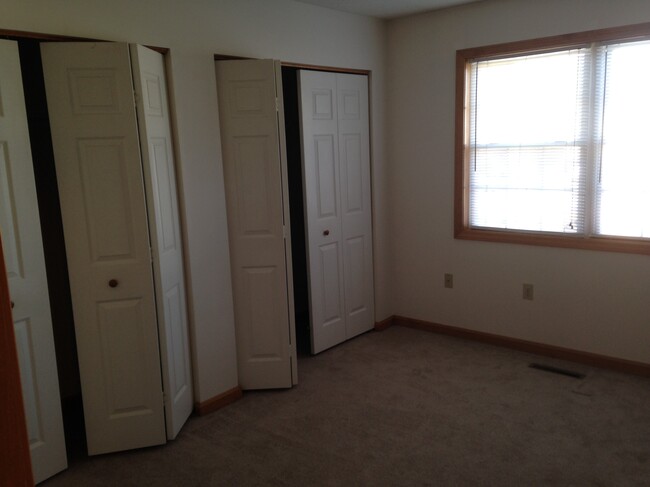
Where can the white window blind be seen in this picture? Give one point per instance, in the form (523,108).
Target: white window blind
(558,141)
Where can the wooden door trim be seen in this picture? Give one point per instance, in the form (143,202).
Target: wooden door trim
(22,34)
(331,69)
(287,64)
(15,461)
(228,57)
(41,36)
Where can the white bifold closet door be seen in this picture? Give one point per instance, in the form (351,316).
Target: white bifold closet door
(122,239)
(165,234)
(25,262)
(254,160)
(338,214)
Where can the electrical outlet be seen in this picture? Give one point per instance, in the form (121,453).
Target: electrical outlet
(528,292)
(449,281)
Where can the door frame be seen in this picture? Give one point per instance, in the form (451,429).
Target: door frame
(288,64)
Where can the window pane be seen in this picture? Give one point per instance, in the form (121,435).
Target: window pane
(623,195)
(529,118)
(511,189)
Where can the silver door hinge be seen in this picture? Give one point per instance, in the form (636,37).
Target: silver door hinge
(277,104)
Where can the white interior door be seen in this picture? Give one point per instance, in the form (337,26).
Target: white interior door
(165,232)
(23,250)
(258,225)
(95,136)
(321,186)
(336,176)
(356,207)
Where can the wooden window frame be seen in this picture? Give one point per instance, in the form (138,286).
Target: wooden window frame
(464,57)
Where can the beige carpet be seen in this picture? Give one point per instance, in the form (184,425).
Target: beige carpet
(406,407)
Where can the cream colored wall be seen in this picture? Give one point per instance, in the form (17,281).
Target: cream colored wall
(195,30)
(584,300)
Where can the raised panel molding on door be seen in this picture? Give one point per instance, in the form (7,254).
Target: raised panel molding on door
(336,173)
(25,263)
(165,233)
(99,173)
(254,162)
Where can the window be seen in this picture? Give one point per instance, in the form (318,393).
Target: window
(553,141)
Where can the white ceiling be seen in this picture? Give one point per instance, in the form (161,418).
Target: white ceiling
(386,8)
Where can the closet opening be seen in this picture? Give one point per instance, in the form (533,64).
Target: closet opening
(68,441)
(353,203)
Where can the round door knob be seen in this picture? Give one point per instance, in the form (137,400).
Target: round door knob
(113,283)
(326,232)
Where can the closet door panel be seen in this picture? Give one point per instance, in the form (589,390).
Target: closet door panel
(336,169)
(253,170)
(356,211)
(97,155)
(165,233)
(321,186)
(25,265)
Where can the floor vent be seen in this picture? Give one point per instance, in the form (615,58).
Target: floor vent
(557,370)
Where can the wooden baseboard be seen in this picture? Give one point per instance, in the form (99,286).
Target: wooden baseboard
(587,358)
(383,324)
(218,402)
